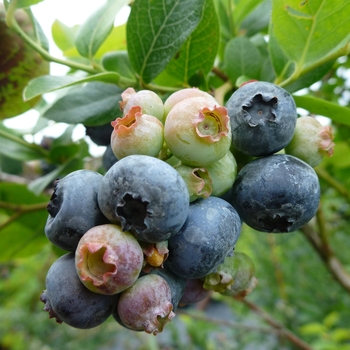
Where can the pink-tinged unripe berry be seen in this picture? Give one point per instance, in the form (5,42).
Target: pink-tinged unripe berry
(223,174)
(136,133)
(146,305)
(311,141)
(108,260)
(148,100)
(194,292)
(182,94)
(197,131)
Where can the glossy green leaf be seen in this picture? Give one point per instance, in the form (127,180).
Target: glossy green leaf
(242,58)
(93,104)
(156,30)
(328,109)
(199,51)
(48,83)
(97,27)
(307,31)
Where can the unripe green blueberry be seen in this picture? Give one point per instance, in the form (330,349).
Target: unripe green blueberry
(182,94)
(197,179)
(223,174)
(197,131)
(242,269)
(311,141)
(148,100)
(108,260)
(137,133)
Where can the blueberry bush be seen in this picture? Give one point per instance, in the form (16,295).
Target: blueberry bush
(216,214)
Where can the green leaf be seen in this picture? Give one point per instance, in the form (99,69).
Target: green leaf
(258,20)
(77,153)
(156,30)
(119,62)
(39,33)
(116,41)
(282,66)
(312,328)
(309,78)
(17,148)
(331,319)
(63,36)
(328,109)
(38,185)
(242,58)
(199,51)
(93,104)
(49,83)
(242,8)
(317,27)
(26,3)
(340,159)
(24,236)
(97,27)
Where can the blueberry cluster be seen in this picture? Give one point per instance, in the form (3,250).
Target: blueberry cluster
(154,231)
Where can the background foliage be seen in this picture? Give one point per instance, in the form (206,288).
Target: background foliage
(302,300)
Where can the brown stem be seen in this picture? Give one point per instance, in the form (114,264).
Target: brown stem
(333,264)
(23,208)
(220,74)
(276,325)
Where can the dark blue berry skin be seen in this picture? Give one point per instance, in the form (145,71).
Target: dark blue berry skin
(73,208)
(108,158)
(278,193)
(69,301)
(263,118)
(209,234)
(100,134)
(146,196)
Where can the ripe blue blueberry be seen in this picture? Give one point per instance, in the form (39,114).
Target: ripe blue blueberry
(73,208)
(278,193)
(108,158)
(101,134)
(209,234)
(69,301)
(146,196)
(263,117)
